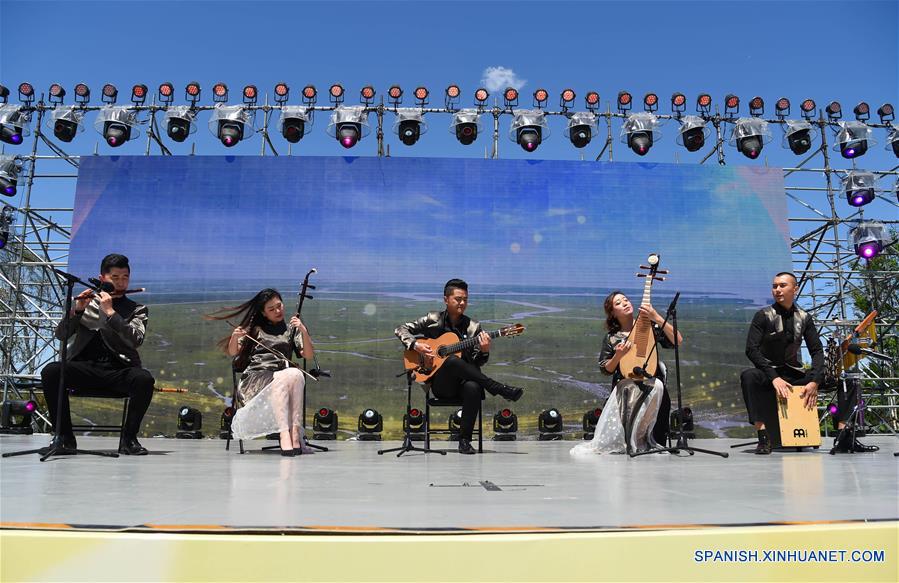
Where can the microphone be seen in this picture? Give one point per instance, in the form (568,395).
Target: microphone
(640,371)
(858,350)
(103,286)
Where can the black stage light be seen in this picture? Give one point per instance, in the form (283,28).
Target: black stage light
(230,132)
(116,133)
(15,417)
(639,132)
(886,113)
(566,99)
(685,415)
(453,92)
(293,129)
(625,100)
(756,106)
(82,93)
(5,224)
(166,93)
(868,239)
(12,124)
(650,102)
(370,426)
(26,92)
(367,95)
(454,424)
(703,103)
(692,132)
(192,92)
(178,127)
(9,177)
(421,95)
(834,110)
(190,422)
(505,425)
(893,141)
(549,425)
(225,426)
(480,97)
(282,92)
(110,94)
(580,128)
(310,94)
(529,137)
(324,424)
(731,104)
(465,126)
(540,97)
(348,134)
(335,93)
(510,97)
(139,94)
(395,94)
(414,424)
(250,94)
(749,136)
(678,102)
(858,186)
(56,94)
(862,111)
(799,137)
(66,123)
(640,142)
(4,94)
(852,139)
(220,93)
(591,417)
(592,100)
(807,108)
(409,130)
(782,107)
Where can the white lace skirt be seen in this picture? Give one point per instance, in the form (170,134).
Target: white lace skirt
(610,431)
(277,407)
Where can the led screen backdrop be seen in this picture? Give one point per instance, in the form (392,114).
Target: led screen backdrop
(540,242)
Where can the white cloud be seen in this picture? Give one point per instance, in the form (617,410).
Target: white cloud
(498,78)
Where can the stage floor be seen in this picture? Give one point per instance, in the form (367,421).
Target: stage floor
(515,486)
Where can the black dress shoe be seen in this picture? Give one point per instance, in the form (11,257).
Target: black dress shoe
(131,446)
(64,445)
(465,447)
(764,445)
(849,445)
(509,393)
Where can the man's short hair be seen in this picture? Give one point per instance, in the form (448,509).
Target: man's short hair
(787,274)
(454,284)
(114,260)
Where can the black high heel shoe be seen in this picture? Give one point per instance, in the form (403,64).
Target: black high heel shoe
(287,452)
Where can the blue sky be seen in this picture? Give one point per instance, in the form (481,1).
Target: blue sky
(418,220)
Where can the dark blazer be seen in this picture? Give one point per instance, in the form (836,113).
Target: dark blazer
(123,332)
(776,351)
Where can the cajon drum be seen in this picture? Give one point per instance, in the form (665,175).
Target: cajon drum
(798,425)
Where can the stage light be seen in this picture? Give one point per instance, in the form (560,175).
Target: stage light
(650,102)
(798,136)
(421,95)
(549,425)
(292,123)
(624,101)
(179,122)
(335,93)
(756,106)
(684,415)
(858,186)
(453,92)
(110,94)
(505,425)
(480,97)
(853,139)
(414,424)
(885,112)
(250,94)
(409,125)
(807,108)
(310,94)
(782,107)
(66,122)
(4,94)
(678,102)
(10,166)
(117,125)
(454,425)
(348,125)
(56,94)
(529,129)
(862,111)
(640,131)
(192,92)
(834,110)
(15,417)
(395,94)
(82,94)
(731,104)
(540,97)
(166,93)
(893,141)
(324,424)
(692,133)
(869,239)
(370,426)
(220,93)
(703,103)
(26,92)
(833,410)
(225,424)
(592,100)
(190,422)
(229,124)
(282,92)
(139,94)
(13,124)
(581,126)
(466,125)
(566,98)
(367,94)
(510,97)
(749,136)
(5,224)
(591,417)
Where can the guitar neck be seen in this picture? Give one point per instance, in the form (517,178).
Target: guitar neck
(469,342)
(646,301)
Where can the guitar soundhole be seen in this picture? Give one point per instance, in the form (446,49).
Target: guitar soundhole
(441,352)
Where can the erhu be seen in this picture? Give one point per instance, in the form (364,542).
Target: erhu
(316,371)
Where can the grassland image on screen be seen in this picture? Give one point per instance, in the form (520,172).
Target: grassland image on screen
(540,243)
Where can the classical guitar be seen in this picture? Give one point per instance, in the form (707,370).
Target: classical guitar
(423,368)
(642,337)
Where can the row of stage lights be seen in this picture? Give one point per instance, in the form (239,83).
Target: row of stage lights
(529,128)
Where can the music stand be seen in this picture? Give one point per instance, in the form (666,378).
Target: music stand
(407,430)
(48,452)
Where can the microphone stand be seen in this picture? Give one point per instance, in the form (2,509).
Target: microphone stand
(681,443)
(58,449)
(407,428)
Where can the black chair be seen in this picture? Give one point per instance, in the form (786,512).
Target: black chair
(435,402)
(102,394)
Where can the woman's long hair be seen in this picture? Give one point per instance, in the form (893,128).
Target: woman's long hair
(251,314)
(612,323)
